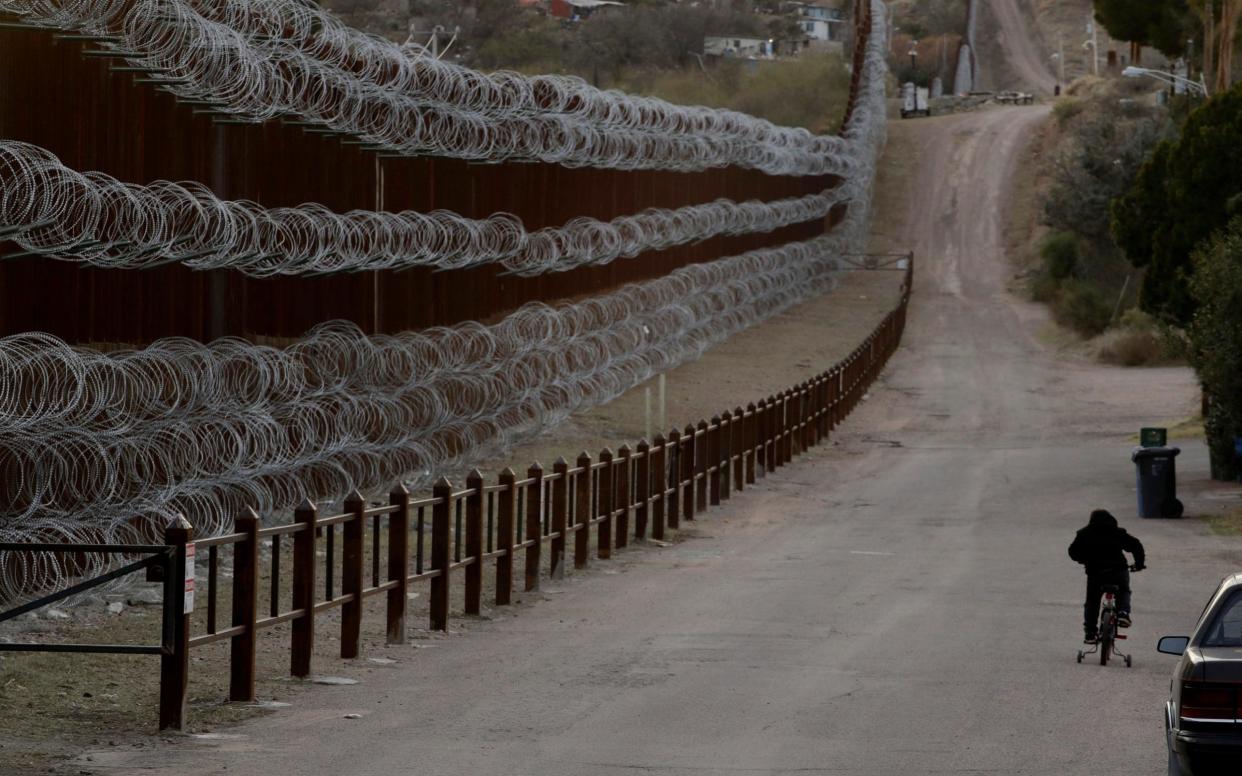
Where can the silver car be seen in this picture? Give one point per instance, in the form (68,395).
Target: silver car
(1203,717)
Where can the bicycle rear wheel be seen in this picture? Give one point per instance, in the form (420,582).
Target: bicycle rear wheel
(1108,629)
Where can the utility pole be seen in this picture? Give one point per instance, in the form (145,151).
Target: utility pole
(1094,43)
(1209,40)
(1061,56)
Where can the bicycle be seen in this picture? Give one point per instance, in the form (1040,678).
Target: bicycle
(1108,632)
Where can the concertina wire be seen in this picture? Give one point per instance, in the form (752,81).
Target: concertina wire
(52,211)
(106,447)
(266,59)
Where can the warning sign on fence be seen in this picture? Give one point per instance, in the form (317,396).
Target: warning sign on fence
(189,578)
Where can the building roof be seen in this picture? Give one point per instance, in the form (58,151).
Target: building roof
(592,3)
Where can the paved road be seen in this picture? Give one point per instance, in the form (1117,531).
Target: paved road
(899,603)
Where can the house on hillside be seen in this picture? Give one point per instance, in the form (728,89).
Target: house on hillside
(576,10)
(822,20)
(740,46)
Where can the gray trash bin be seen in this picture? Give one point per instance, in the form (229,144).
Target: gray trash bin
(1157,481)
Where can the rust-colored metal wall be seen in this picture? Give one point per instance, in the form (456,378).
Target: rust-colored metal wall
(95,118)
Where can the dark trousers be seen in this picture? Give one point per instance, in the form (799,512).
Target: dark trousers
(1095,588)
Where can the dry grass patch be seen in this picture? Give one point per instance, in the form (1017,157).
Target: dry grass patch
(1227,524)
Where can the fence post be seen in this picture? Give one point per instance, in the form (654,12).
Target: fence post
(660,487)
(825,401)
(302,633)
(175,661)
(713,461)
(351,574)
(534,533)
(607,474)
(474,542)
(724,437)
(398,562)
(737,448)
(245,607)
(778,431)
(702,460)
(624,496)
(790,415)
(689,459)
(768,440)
(506,511)
(674,469)
(642,490)
(560,508)
(752,440)
(804,417)
(835,397)
(851,372)
(582,512)
(441,530)
(822,403)
(797,440)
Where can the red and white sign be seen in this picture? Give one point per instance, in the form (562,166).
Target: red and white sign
(189,578)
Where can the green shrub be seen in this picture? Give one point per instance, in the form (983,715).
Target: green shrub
(1044,288)
(1060,255)
(1065,109)
(1082,308)
(1133,347)
(1215,341)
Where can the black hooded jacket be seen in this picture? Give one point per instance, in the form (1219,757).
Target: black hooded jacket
(1099,546)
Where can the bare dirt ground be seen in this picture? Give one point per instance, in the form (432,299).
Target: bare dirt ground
(752,365)
(1024,35)
(1011,57)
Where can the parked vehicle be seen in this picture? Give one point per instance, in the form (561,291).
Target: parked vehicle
(914,101)
(1203,717)
(1015,98)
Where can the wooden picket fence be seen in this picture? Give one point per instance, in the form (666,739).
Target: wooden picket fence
(452,535)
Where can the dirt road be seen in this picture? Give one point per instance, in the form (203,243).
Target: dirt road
(1012,57)
(900,603)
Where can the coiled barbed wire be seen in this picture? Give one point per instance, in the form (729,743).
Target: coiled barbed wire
(51,210)
(106,447)
(116,443)
(265,59)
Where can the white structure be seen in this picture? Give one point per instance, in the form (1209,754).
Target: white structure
(823,19)
(739,46)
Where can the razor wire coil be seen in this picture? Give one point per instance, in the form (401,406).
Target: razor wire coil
(270,59)
(107,447)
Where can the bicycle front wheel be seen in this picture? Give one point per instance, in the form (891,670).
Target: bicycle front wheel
(1106,648)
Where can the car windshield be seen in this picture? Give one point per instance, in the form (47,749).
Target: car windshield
(1226,629)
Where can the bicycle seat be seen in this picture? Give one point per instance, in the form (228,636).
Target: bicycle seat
(1110,588)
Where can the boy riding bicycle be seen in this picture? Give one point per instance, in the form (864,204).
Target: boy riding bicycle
(1100,547)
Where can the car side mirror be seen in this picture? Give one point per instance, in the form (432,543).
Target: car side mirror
(1173,645)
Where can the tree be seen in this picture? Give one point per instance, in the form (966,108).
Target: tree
(1159,23)
(1182,195)
(1220,20)
(1106,151)
(655,38)
(1215,336)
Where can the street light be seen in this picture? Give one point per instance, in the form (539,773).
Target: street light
(1095,55)
(914,59)
(1168,78)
